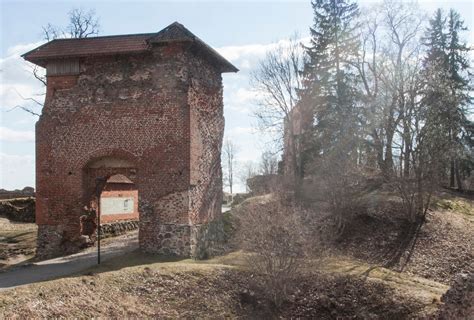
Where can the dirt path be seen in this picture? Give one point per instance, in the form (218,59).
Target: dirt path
(63,266)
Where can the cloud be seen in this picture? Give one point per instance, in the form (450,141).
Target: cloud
(17,78)
(241,130)
(10,135)
(245,57)
(16,171)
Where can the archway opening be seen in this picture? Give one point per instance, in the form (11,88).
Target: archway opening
(110,197)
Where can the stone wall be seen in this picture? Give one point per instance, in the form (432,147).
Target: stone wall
(207,240)
(20,210)
(51,238)
(196,241)
(117,228)
(161,113)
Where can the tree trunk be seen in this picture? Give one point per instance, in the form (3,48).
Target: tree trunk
(451,174)
(388,162)
(291,170)
(406,160)
(458,175)
(378,150)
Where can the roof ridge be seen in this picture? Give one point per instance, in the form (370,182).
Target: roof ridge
(109,36)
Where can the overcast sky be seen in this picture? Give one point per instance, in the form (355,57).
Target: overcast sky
(242,31)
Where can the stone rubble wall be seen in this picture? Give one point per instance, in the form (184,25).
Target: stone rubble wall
(117,228)
(19,210)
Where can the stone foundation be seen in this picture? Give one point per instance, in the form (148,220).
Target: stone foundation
(207,239)
(184,240)
(51,242)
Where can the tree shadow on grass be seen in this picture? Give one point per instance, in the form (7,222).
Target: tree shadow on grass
(398,257)
(371,240)
(131,259)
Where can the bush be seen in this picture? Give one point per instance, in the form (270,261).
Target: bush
(274,236)
(341,185)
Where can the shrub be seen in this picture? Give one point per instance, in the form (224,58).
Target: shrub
(273,235)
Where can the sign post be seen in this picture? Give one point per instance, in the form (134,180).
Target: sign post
(99,186)
(98,230)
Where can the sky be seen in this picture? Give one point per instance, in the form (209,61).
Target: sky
(242,31)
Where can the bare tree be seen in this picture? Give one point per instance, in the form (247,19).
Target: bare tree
(268,163)
(82,24)
(278,81)
(339,184)
(248,170)
(229,152)
(388,65)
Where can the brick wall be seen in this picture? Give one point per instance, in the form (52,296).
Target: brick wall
(161,113)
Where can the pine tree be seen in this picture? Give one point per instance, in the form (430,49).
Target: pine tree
(446,97)
(331,91)
(460,93)
(330,82)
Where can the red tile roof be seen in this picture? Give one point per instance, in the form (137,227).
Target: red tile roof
(121,44)
(64,48)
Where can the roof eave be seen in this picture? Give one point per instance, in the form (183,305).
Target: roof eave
(43,60)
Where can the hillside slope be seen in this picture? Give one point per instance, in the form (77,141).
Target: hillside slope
(143,286)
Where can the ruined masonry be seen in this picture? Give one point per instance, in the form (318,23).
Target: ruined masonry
(144,112)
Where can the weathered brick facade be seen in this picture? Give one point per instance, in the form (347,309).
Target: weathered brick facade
(154,116)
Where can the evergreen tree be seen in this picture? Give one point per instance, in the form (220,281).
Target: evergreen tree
(460,88)
(330,82)
(331,92)
(446,97)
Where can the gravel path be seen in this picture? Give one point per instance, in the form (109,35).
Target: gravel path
(64,266)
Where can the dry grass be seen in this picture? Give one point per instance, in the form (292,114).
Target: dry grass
(163,289)
(143,286)
(425,291)
(147,286)
(458,205)
(17,242)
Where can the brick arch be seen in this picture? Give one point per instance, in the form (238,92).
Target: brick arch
(104,153)
(128,167)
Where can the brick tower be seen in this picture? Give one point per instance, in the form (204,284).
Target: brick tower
(146,108)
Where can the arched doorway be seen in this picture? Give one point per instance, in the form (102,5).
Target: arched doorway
(110,191)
